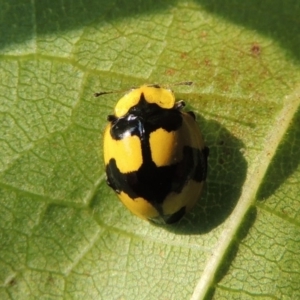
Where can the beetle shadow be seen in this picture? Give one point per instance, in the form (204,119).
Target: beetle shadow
(227,170)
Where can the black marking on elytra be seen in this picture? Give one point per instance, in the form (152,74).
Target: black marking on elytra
(201,167)
(144,118)
(114,178)
(155,183)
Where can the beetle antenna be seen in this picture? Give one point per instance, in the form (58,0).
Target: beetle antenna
(109,92)
(182,83)
(101,93)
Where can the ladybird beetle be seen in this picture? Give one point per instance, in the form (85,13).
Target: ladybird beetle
(154,154)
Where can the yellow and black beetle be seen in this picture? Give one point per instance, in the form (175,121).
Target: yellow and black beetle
(154,154)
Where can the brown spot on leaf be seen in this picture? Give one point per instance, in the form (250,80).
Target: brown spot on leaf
(170,72)
(255,49)
(183,55)
(207,62)
(12,282)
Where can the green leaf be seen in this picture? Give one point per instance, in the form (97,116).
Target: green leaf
(64,234)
